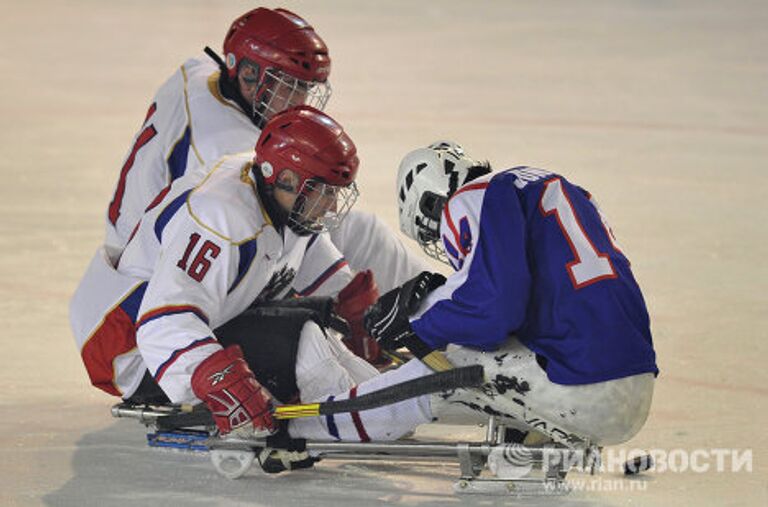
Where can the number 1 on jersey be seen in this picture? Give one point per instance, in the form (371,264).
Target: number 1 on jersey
(589,266)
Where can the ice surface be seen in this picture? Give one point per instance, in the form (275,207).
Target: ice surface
(659,107)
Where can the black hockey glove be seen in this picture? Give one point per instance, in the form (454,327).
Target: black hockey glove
(387,319)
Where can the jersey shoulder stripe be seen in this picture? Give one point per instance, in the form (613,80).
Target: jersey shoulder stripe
(165,311)
(168,212)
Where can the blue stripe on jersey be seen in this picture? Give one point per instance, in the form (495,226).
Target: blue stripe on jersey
(449,248)
(170,210)
(132,303)
(177,160)
(176,353)
(247,255)
(311,241)
(333,430)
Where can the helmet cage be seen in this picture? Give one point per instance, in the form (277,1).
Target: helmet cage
(427,178)
(428,225)
(279,91)
(320,206)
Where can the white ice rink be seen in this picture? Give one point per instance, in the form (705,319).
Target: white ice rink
(659,107)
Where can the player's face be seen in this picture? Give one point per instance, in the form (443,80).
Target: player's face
(283,92)
(315,205)
(278,91)
(317,198)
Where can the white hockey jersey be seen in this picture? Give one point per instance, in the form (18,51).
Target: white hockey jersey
(189,126)
(199,257)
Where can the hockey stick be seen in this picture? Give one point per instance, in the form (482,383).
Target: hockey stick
(181,417)
(467,376)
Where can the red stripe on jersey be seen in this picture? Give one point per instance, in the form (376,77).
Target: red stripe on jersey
(150,112)
(335,267)
(114,337)
(472,186)
(157,200)
(143,138)
(356,419)
(452,227)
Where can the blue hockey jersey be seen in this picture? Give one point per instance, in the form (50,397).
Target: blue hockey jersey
(535,258)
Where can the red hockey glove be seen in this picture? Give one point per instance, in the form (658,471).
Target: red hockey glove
(351,304)
(226,384)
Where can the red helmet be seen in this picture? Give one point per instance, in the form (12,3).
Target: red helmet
(277,39)
(310,143)
(316,148)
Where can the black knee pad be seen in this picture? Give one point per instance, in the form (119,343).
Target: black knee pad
(269,338)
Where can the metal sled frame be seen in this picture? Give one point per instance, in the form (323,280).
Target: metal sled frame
(174,426)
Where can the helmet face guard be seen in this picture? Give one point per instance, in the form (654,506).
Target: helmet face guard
(320,207)
(428,225)
(277,91)
(427,178)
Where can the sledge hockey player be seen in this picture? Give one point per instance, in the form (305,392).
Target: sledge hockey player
(203,254)
(273,59)
(542,296)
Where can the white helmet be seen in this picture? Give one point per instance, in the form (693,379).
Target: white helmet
(426,179)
